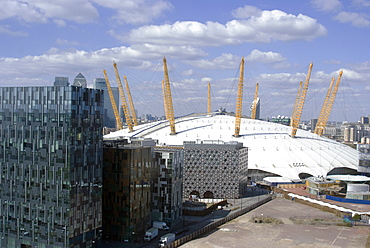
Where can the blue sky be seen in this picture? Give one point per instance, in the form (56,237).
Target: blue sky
(203,42)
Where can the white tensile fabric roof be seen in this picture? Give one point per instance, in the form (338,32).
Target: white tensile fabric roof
(271,148)
(349,178)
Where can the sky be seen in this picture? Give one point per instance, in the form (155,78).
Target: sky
(202,41)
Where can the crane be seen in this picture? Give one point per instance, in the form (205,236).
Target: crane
(239,100)
(209,108)
(321,123)
(297,112)
(119,124)
(168,98)
(130,101)
(123,99)
(254,106)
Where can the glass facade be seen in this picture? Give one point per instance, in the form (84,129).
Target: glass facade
(109,118)
(167,195)
(128,174)
(50,166)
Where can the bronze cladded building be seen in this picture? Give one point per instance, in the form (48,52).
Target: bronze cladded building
(128,172)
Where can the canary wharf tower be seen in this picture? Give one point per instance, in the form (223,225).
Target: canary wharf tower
(50,166)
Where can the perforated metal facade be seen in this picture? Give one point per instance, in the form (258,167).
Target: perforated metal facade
(50,166)
(215,170)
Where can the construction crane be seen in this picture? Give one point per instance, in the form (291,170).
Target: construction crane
(326,110)
(239,100)
(168,99)
(131,102)
(254,106)
(297,112)
(209,108)
(119,124)
(123,99)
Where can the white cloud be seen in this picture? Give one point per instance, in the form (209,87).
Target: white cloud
(223,62)
(281,77)
(206,79)
(60,23)
(349,74)
(53,50)
(30,81)
(20,10)
(364,3)
(316,77)
(264,57)
(362,67)
(269,26)
(356,19)
(149,51)
(327,5)
(188,72)
(39,11)
(246,12)
(6,29)
(136,11)
(57,62)
(63,42)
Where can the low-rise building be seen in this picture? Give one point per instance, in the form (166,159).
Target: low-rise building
(215,169)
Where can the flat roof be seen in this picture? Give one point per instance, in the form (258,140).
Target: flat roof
(349,178)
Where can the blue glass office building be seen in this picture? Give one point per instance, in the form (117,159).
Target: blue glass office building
(50,166)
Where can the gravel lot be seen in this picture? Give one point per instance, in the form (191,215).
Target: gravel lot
(303,226)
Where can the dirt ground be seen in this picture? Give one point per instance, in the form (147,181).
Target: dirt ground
(292,225)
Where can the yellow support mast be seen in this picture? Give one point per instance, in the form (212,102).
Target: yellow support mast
(209,107)
(297,99)
(324,107)
(113,102)
(168,96)
(299,108)
(254,106)
(123,99)
(330,103)
(165,100)
(134,117)
(239,100)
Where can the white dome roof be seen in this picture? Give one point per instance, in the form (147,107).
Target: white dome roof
(271,149)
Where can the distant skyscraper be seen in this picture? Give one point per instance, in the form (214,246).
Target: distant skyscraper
(313,124)
(80,80)
(109,118)
(50,166)
(61,81)
(364,120)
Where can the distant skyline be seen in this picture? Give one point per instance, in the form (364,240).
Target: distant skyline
(203,41)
